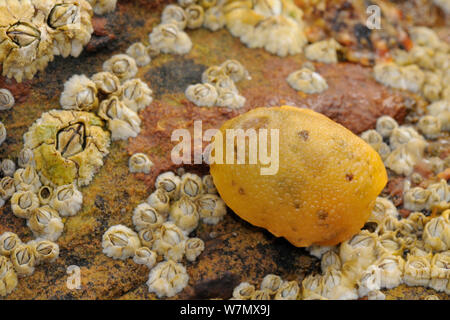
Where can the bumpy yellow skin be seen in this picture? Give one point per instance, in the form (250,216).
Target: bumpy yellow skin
(326,185)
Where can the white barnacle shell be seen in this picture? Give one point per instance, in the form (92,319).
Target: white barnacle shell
(138,51)
(184,213)
(27,179)
(403,159)
(436,234)
(417,271)
(312,287)
(23,203)
(6,99)
(323,51)
(385,125)
(416,199)
(376,295)
(337,286)
(235,70)
(402,135)
(170,183)
(174,14)
(230,99)
(168,38)
(7,188)
(208,184)
(243,291)
(430,126)
(136,94)
(45,194)
(106,82)
(289,290)
(121,65)
(103,6)
(186,3)
(145,256)
(382,208)
(8,277)
(372,137)
(2,133)
(191,185)
(391,267)
(440,271)
(318,251)
(146,217)
(330,259)
(424,36)
(46,223)
(120,242)
(139,162)
(195,16)
(224,83)
(214,18)
(8,167)
(80,93)
(170,242)
(152,51)
(211,208)
(147,237)
(441,110)
(8,242)
(260,295)
(212,74)
(160,200)
(432,87)
(369,281)
(440,191)
(412,78)
(23,258)
(45,250)
(389,223)
(389,243)
(307,81)
(360,247)
(67,200)
(202,95)
(194,247)
(167,279)
(25,158)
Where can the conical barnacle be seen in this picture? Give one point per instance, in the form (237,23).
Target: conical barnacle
(214,18)
(3,133)
(170,183)
(389,243)
(168,38)
(243,291)
(208,184)
(432,87)
(25,158)
(27,179)
(202,95)
(271,283)
(289,290)
(23,203)
(138,51)
(330,259)
(323,51)
(152,51)
(23,258)
(184,213)
(8,242)
(441,110)
(376,295)
(417,271)
(139,162)
(160,200)
(174,14)
(240,19)
(372,137)
(122,121)
(70,26)
(440,271)
(186,3)
(146,217)
(403,159)
(385,125)
(224,83)
(336,286)
(268,7)
(6,99)
(307,81)
(167,279)
(106,82)
(402,135)
(312,287)
(235,70)
(440,192)
(228,98)
(211,208)
(191,185)
(212,74)
(73,142)
(45,251)
(424,36)
(8,277)
(260,295)
(7,188)
(147,237)
(407,78)
(120,242)
(103,6)
(45,194)
(121,65)
(46,223)
(8,167)
(430,126)
(389,223)
(369,281)
(194,247)
(80,93)
(170,242)
(436,234)
(136,94)
(382,208)
(391,268)
(416,199)
(360,247)
(318,251)
(67,200)
(145,256)
(195,16)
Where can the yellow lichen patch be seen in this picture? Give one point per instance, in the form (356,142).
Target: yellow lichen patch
(325,186)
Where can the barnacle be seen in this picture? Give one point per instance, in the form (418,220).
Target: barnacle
(336,286)
(376,295)
(147,237)
(70,26)
(318,251)
(203,95)
(186,3)
(25,158)
(121,65)
(8,167)
(211,208)
(170,183)
(80,93)
(383,207)
(240,19)
(138,51)
(423,36)
(403,159)
(7,188)
(23,258)
(430,126)
(235,70)
(436,234)
(432,87)
(145,256)
(214,18)
(67,146)
(45,194)
(167,279)
(103,6)
(6,99)
(370,281)
(289,290)
(407,78)
(372,137)
(139,162)
(106,82)
(312,287)
(330,259)
(122,121)
(260,295)
(136,94)
(23,203)
(417,271)
(208,184)
(170,242)
(27,179)
(170,39)
(120,242)
(67,200)
(8,277)
(184,213)
(440,271)
(194,247)
(431,297)
(191,185)
(389,243)
(2,133)
(360,247)
(46,223)
(323,51)
(230,99)
(307,81)
(160,200)
(243,291)
(45,250)
(195,16)
(174,14)
(416,199)
(146,217)
(402,135)
(224,83)
(391,268)
(212,74)
(385,125)
(8,242)
(271,283)
(441,110)
(440,192)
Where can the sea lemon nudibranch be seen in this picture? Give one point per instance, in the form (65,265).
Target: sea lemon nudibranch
(326,185)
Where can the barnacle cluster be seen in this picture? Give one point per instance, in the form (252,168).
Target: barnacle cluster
(139,162)
(307,81)
(19,259)
(34,31)
(6,99)
(218,86)
(272,287)
(163,224)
